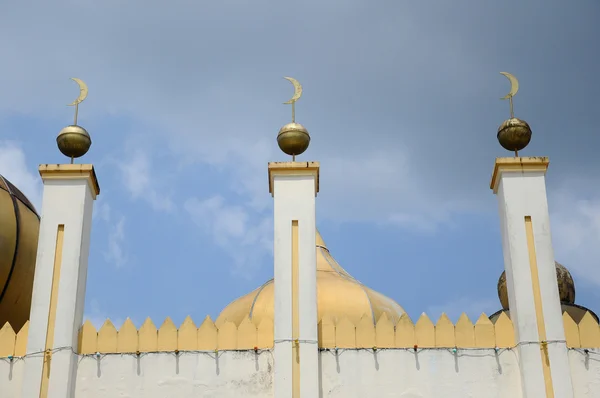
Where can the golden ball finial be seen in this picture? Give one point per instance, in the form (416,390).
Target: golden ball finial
(73,141)
(293,139)
(514,134)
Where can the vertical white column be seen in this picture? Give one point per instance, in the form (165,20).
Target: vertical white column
(533,294)
(294,186)
(60,280)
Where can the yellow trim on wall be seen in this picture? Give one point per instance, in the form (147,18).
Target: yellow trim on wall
(517,165)
(71,171)
(293,168)
(295,312)
(539,312)
(332,333)
(52,312)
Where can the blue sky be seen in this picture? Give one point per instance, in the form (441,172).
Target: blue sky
(402,102)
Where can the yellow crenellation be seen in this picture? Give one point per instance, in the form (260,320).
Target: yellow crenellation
(332,334)
(444,334)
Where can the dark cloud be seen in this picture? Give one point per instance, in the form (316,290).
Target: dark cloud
(414,83)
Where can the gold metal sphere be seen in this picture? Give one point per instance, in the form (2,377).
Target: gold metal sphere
(293,139)
(514,134)
(73,141)
(566,286)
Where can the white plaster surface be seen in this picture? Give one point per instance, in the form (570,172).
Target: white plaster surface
(522,194)
(294,197)
(68,202)
(585,373)
(350,374)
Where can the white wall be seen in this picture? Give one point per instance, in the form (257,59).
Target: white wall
(434,374)
(350,374)
(585,373)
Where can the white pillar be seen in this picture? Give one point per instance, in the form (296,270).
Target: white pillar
(533,296)
(60,279)
(294,186)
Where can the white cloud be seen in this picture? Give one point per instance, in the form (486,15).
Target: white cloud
(114,253)
(14,167)
(227,116)
(575,223)
(101,210)
(351,185)
(138,180)
(187,84)
(246,238)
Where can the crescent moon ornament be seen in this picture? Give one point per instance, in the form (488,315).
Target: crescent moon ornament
(83,92)
(513,134)
(297,90)
(74,141)
(514,85)
(295,97)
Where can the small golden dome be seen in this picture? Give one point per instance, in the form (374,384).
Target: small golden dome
(293,139)
(339,295)
(73,141)
(566,287)
(19,231)
(514,134)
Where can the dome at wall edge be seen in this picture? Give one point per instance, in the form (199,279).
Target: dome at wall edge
(20,223)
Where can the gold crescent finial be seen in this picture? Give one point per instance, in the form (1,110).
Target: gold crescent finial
(83,92)
(295,97)
(513,134)
(514,87)
(74,141)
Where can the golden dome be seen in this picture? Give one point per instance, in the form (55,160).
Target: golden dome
(339,295)
(18,249)
(566,286)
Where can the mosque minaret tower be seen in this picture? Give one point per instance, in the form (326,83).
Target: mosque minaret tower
(60,279)
(533,295)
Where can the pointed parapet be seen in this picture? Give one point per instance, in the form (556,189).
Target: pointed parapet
(108,338)
(8,339)
(127,337)
(405,332)
(265,333)
(88,338)
(167,336)
(384,332)
(148,337)
(246,335)
(504,332)
(187,335)
(571,331)
(227,336)
(326,332)
(464,332)
(425,332)
(207,335)
(589,332)
(21,342)
(444,332)
(345,334)
(485,336)
(365,333)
